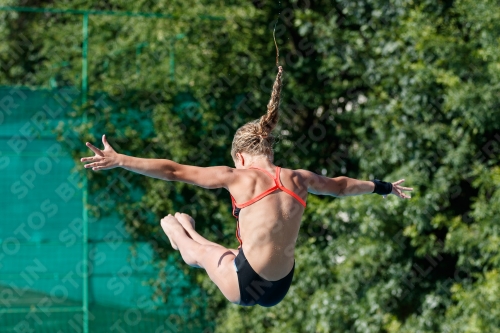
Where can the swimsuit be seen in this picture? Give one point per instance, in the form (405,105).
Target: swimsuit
(253,288)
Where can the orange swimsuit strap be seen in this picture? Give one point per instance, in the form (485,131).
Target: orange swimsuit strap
(277,186)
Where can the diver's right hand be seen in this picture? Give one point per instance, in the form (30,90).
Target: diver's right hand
(104,159)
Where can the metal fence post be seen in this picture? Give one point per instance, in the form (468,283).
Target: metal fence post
(85,240)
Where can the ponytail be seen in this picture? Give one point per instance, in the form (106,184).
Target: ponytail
(255,137)
(269,121)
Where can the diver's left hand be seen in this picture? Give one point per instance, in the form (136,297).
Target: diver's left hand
(398,190)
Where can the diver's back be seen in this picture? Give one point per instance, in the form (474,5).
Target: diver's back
(269,226)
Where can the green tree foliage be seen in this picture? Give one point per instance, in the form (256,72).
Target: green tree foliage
(386,89)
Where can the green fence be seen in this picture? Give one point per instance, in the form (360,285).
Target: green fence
(61,270)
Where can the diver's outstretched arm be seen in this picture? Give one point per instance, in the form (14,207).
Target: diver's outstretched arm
(345,186)
(108,158)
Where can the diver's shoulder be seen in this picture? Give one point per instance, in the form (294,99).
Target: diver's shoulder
(299,173)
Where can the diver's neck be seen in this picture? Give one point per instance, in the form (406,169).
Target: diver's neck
(262,163)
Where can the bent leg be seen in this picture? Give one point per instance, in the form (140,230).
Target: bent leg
(215,259)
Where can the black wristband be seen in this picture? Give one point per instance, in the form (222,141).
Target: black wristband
(381,187)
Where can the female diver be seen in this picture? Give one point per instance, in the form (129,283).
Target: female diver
(268,203)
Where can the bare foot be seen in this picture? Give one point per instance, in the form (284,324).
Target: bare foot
(188,224)
(170,226)
(185,220)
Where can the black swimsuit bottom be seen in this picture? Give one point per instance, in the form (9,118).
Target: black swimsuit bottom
(256,290)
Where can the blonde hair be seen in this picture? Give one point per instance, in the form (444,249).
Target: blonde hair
(255,137)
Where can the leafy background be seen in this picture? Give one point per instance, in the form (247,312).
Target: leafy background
(387,89)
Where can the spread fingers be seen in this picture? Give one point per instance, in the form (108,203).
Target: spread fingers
(398,182)
(87,159)
(94,149)
(93,165)
(405,188)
